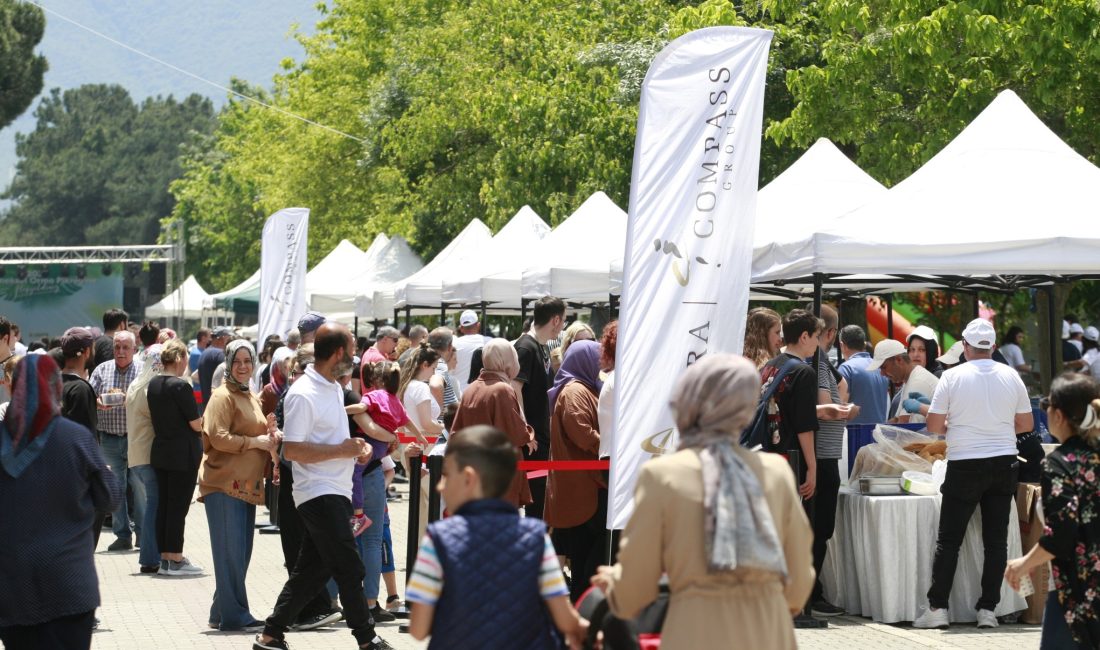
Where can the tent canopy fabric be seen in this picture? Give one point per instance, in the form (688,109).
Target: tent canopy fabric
(330,285)
(425,287)
(582,259)
(495,275)
(816,189)
(1006,196)
(390,263)
(243,298)
(189,299)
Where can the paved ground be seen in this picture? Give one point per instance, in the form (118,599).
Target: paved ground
(141,611)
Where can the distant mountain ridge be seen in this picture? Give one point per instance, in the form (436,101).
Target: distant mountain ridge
(214,39)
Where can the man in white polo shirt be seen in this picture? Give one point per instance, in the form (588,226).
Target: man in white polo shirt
(469,339)
(980,405)
(323,454)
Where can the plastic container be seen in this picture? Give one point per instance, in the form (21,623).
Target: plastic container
(919,483)
(113,399)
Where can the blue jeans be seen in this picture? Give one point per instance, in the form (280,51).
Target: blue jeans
(231,522)
(370,542)
(147,526)
(114,452)
(1056,634)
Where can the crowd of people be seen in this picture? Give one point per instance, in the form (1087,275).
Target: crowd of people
(125,423)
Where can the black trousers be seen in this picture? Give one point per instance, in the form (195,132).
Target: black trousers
(328,550)
(290,536)
(824,515)
(66,633)
(176,488)
(585,546)
(990,483)
(538,485)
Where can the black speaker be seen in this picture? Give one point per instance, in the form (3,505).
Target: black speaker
(131,300)
(158,283)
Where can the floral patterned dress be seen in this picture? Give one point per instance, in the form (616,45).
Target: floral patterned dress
(1071,505)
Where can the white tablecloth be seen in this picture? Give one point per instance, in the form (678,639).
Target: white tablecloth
(879,562)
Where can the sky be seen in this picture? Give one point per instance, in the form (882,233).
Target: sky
(214,39)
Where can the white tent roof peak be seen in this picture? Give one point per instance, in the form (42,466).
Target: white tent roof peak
(333,270)
(1005,196)
(425,287)
(189,296)
(380,241)
(494,276)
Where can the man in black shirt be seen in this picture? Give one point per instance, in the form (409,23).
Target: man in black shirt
(533,381)
(77,395)
(114,320)
(793,416)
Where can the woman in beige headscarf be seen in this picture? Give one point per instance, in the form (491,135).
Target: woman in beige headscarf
(492,400)
(724,523)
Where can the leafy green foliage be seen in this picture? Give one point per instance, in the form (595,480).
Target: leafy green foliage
(900,78)
(96,168)
(21,27)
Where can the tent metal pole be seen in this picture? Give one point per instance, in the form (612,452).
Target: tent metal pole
(1055,332)
(522,312)
(889,315)
(356,327)
(442,315)
(481,318)
(977,305)
(819,280)
(408,317)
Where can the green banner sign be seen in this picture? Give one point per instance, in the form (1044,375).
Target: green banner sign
(50,299)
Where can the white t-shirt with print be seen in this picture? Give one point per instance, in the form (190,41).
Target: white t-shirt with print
(313,412)
(981,399)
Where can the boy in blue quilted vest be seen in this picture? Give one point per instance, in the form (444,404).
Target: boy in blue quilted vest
(486,577)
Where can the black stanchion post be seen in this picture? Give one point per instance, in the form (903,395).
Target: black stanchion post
(413,534)
(805,619)
(435,471)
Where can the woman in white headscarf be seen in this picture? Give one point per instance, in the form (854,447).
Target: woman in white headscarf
(725,524)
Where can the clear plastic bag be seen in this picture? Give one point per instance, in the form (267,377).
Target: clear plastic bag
(886,456)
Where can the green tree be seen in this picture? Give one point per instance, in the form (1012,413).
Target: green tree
(21,27)
(901,78)
(96,169)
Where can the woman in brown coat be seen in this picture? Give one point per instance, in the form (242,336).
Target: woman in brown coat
(725,524)
(492,400)
(576,501)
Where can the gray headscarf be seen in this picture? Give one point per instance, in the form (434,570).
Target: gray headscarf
(713,402)
(231,352)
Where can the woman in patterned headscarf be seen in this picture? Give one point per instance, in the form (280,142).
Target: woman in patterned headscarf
(237,440)
(53,480)
(739,561)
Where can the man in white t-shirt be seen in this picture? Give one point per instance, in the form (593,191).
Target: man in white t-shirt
(916,382)
(981,406)
(317,442)
(469,339)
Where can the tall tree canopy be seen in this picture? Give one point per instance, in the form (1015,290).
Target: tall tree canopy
(21,27)
(96,169)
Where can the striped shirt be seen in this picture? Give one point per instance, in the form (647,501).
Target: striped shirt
(450,388)
(106,378)
(426,583)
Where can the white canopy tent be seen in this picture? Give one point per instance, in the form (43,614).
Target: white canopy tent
(815,190)
(332,273)
(388,264)
(187,300)
(1005,197)
(582,259)
(424,288)
(495,275)
(332,285)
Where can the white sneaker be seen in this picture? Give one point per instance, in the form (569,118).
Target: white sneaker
(182,568)
(986,619)
(934,619)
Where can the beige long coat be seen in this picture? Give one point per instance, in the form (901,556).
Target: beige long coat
(746,608)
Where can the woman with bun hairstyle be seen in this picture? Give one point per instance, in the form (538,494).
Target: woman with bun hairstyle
(1071,505)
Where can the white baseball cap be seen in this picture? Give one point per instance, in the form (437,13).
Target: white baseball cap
(979,334)
(953,354)
(468,318)
(923,331)
(1092,334)
(1075,328)
(886,349)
